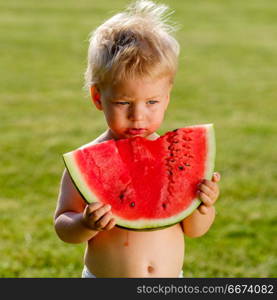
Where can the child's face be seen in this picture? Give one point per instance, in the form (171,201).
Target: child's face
(135,107)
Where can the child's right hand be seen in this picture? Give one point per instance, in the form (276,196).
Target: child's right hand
(97,216)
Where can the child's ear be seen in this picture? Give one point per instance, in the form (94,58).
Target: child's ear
(167,100)
(169,93)
(96,97)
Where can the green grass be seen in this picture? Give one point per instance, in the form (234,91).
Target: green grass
(227,76)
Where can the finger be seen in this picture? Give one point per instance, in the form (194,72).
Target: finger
(98,213)
(103,221)
(92,207)
(208,191)
(111,224)
(203,209)
(214,188)
(211,184)
(205,199)
(216,177)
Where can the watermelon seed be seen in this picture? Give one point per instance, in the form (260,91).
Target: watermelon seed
(181,167)
(132,204)
(187,164)
(121,196)
(175,130)
(164,205)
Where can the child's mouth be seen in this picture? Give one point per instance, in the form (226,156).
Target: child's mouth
(135,131)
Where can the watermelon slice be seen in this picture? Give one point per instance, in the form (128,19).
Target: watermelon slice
(149,184)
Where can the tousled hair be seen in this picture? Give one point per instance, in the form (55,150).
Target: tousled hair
(133,44)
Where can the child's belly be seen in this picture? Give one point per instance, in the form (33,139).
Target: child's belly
(125,253)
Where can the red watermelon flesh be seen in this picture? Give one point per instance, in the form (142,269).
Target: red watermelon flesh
(149,184)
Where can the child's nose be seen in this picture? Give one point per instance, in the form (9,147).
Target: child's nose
(136,114)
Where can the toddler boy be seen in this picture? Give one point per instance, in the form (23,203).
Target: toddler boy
(132,61)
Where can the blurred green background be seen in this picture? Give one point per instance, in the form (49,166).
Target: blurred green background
(227,76)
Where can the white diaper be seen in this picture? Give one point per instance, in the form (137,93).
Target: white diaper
(87,274)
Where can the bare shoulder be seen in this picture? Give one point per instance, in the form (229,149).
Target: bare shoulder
(69,198)
(105,136)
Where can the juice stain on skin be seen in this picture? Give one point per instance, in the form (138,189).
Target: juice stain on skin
(126,244)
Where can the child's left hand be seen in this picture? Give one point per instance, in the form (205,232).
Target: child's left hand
(208,192)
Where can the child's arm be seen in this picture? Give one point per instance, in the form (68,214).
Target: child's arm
(199,222)
(76,222)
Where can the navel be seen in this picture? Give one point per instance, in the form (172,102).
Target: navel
(150,269)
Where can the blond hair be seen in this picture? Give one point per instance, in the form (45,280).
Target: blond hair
(133,44)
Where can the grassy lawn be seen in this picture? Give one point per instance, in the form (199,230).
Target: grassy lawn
(227,76)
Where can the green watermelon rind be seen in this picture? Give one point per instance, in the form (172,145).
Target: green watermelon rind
(210,162)
(145,224)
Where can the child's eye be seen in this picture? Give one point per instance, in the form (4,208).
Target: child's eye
(122,103)
(152,101)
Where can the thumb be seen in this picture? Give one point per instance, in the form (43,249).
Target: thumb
(216,177)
